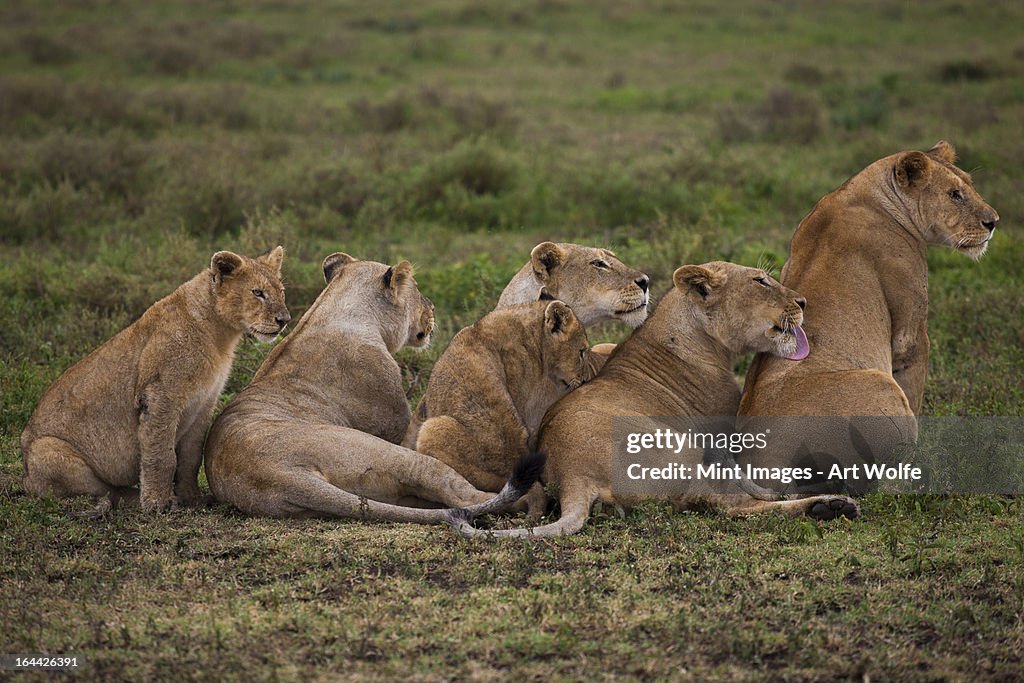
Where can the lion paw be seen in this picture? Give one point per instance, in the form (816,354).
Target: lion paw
(190,497)
(832,508)
(159,504)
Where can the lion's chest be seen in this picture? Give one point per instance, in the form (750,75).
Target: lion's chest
(202,401)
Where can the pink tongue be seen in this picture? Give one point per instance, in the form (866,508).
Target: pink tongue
(802,347)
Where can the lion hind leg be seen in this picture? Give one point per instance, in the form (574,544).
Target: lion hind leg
(53,467)
(432,474)
(307,494)
(575,512)
(823,508)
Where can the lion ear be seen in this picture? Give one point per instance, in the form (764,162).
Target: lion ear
(545,258)
(912,169)
(334,263)
(396,277)
(558,318)
(273,258)
(545,295)
(697,279)
(943,151)
(224,263)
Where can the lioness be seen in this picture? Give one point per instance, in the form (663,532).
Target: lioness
(678,363)
(859,257)
(595,284)
(493,384)
(135,410)
(315,433)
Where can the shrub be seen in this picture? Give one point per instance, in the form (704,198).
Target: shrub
(169,54)
(49,212)
(966,70)
(476,115)
(387,116)
(44,50)
(341,188)
(24,99)
(784,116)
(807,74)
(225,106)
(112,163)
(202,192)
(36,105)
(244,40)
(473,169)
(867,107)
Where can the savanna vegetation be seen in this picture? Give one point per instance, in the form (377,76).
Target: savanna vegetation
(139,138)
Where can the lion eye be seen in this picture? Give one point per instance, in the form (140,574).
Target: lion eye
(259,294)
(763,281)
(598,263)
(956,195)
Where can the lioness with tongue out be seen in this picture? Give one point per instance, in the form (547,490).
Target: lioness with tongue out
(679,363)
(859,258)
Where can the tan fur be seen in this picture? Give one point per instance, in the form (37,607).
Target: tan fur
(135,410)
(315,433)
(678,363)
(493,384)
(595,284)
(859,258)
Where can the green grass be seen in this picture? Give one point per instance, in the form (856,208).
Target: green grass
(138,139)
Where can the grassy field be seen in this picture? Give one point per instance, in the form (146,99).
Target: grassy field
(139,138)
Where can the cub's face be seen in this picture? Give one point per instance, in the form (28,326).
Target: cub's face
(250,292)
(564,347)
(949,210)
(593,282)
(747,309)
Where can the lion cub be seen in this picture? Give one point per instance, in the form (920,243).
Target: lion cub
(493,384)
(135,411)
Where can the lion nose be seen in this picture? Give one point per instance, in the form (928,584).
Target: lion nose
(801,302)
(990,224)
(283,319)
(642,282)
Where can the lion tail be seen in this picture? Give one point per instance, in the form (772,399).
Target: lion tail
(525,474)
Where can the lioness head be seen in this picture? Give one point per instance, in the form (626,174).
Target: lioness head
(406,317)
(943,201)
(564,346)
(746,309)
(595,284)
(249,291)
